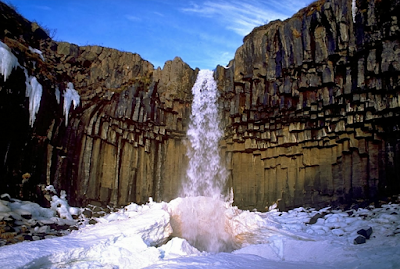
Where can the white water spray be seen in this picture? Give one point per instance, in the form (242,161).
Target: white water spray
(200,215)
(206,175)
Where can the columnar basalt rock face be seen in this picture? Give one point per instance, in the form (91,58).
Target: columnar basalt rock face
(311,107)
(126,142)
(123,143)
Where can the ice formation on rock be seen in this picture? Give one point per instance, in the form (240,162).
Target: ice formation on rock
(34,89)
(354,10)
(37,52)
(8,61)
(57,94)
(70,96)
(34,92)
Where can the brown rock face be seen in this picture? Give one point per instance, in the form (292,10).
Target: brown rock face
(125,143)
(311,107)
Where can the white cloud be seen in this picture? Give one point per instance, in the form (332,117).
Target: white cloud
(132,18)
(243,17)
(158,14)
(43,7)
(212,59)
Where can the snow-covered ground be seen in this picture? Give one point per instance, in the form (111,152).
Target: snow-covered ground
(142,237)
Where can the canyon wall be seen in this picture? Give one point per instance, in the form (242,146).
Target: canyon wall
(125,142)
(310,108)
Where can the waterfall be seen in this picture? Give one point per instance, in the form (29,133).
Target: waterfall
(199,215)
(206,175)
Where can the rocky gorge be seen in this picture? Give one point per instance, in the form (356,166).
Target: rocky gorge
(309,106)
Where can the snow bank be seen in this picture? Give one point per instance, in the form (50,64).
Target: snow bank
(60,205)
(129,242)
(59,212)
(137,237)
(8,61)
(37,212)
(70,96)
(177,247)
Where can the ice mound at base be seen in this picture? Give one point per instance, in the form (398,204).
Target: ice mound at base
(140,236)
(177,247)
(212,225)
(128,238)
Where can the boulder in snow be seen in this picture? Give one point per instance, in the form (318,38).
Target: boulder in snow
(315,218)
(366,233)
(359,240)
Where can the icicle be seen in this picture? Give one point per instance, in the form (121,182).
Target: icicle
(8,61)
(57,94)
(34,92)
(354,10)
(34,89)
(70,95)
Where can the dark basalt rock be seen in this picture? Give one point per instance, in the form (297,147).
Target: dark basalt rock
(315,218)
(92,221)
(366,233)
(359,240)
(87,213)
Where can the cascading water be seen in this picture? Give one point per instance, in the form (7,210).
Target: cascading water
(206,175)
(199,216)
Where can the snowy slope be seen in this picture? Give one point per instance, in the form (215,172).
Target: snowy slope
(137,237)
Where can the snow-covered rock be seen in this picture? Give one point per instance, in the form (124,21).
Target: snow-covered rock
(127,242)
(139,236)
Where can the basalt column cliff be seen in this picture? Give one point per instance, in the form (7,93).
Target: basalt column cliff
(123,143)
(310,109)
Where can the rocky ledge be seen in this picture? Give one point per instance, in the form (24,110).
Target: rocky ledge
(28,221)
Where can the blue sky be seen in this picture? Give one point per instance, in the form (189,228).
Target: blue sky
(203,33)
